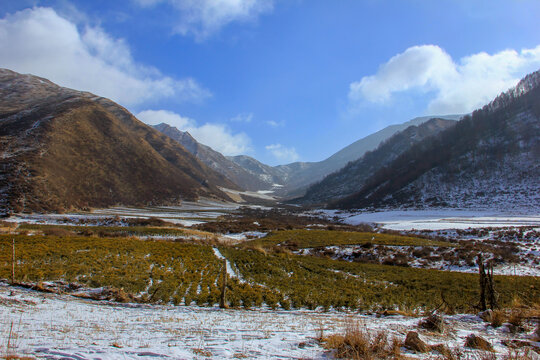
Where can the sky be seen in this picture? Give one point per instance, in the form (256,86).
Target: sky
(279,80)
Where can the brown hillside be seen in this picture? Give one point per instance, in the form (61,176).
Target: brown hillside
(64,149)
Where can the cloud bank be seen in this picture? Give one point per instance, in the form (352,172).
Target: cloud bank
(41,42)
(282,153)
(203,18)
(458,87)
(218,136)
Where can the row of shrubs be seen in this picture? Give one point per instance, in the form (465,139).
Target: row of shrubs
(303,238)
(151,271)
(183,273)
(310,282)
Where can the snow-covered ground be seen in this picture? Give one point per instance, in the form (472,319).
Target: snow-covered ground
(349,252)
(189,213)
(436,219)
(54,326)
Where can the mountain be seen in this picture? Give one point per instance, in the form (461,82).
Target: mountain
(64,149)
(272,177)
(292,180)
(489,159)
(213,159)
(352,177)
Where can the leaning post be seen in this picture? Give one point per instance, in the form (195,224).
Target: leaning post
(13,261)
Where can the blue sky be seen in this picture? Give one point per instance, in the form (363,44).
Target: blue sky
(280,80)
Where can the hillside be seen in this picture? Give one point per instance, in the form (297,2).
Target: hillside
(213,159)
(352,177)
(300,175)
(64,149)
(489,159)
(271,176)
(293,179)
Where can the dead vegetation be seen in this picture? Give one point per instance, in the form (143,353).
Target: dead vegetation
(249,219)
(358,343)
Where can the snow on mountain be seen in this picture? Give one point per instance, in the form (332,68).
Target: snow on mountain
(488,160)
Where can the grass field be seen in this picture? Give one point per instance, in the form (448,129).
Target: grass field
(183,273)
(111,231)
(316,238)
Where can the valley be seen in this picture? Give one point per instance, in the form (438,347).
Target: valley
(293,279)
(413,242)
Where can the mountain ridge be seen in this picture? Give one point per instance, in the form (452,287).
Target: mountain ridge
(294,178)
(66,149)
(489,158)
(213,159)
(350,178)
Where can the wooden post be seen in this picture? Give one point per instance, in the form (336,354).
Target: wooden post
(482,279)
(491,287)
(222,302)
(13,262)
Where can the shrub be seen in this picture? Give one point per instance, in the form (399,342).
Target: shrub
(477,342)
(497,318)
(433,322)
(358,343)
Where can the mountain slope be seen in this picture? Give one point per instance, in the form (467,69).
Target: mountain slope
(489,159)
(214,159)
(300,175)
(352,177)
(271,177)
(293,179)
(63,149)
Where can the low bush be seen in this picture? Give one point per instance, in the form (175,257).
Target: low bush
(358,343)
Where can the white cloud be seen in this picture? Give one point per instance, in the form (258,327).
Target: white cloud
(154,117)
(41,42)
(219,137)
(275,124)
(458,87)
(243,118)
(282,153)
(203,18)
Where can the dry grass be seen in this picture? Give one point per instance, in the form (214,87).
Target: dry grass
(201,352)
(525,354)
(498,317)
(433,322)
(358,343)
(476,342)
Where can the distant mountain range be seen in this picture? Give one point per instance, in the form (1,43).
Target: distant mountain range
(300,175)
(288,180)
(65,149)
(352,177)
(489,159)
(214,159)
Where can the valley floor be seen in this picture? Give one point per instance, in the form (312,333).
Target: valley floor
(62,327)
(53,326)
(436,219)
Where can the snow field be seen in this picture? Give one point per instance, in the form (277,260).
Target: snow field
(62,327)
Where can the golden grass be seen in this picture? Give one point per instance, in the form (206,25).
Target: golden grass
(356,342)
(317,238)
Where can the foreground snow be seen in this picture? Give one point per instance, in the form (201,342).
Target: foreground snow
(63,327)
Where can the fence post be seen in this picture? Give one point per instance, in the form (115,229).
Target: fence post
(13,261)
(482,279)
